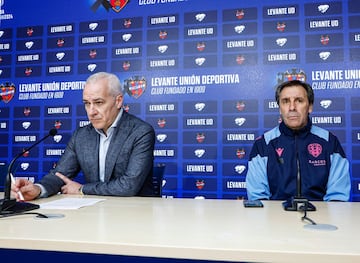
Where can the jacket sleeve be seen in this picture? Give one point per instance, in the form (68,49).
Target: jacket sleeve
(339,185)
(257,185)
(67,165)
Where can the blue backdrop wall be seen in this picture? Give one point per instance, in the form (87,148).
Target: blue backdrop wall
(202,72)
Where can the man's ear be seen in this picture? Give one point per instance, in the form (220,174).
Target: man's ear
(119,101)
(311,107)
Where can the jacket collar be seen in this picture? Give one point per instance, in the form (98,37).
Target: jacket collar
(289,132)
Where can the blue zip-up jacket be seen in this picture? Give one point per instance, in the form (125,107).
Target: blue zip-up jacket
(272,166)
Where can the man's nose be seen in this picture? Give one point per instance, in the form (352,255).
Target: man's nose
(292,105)
(92,109)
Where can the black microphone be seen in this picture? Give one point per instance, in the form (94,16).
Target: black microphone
(298,202)
(8,205)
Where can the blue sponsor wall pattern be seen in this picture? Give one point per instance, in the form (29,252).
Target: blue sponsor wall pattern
(201,72)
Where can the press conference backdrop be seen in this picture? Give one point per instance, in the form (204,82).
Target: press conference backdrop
(202,72)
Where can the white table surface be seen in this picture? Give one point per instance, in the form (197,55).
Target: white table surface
(190,229)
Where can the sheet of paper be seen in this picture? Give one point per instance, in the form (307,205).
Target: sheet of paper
(70,203)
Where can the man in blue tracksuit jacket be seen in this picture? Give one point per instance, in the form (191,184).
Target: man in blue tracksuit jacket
(295,144)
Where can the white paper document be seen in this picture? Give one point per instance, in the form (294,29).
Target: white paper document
(70,203)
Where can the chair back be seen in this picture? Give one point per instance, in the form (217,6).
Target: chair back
(158,175)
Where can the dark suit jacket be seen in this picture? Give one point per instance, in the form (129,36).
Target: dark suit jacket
(129,160)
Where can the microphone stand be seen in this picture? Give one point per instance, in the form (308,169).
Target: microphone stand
(11,206)
(298,202)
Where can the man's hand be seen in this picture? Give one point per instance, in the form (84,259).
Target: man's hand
(70,187)
(29,190)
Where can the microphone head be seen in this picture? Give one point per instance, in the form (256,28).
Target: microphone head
(53,132)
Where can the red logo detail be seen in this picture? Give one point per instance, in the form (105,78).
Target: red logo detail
(240,105)
(161,123)
(7,92)
(240,59)
(29,31)
(126,108)
(57,124)
(240,14)
(324,40)
(127,23)
(126,65)
(93,53)
(60,42)
(117,5)
(315,149)
(28,71)
(163,34)
(200,184)
(200,46)
(25,153)
(27,111)
(240,153)
(200,137)
(281,26)
(279,151)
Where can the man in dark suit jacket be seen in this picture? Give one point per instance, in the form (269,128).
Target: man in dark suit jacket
(114,152)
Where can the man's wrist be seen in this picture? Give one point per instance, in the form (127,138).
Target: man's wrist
(42,192)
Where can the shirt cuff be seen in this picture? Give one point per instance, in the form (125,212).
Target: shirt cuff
(43,192)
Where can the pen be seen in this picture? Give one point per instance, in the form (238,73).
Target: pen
(19,192)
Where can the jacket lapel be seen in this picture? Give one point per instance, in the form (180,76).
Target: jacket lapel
(121,133)
(92,156)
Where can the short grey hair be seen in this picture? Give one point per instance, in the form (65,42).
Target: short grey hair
(113,82)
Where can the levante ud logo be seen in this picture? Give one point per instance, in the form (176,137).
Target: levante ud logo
(135,86)
(7,91)
(116,5)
